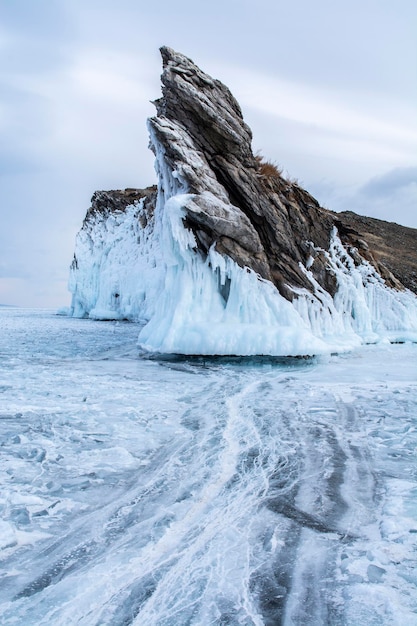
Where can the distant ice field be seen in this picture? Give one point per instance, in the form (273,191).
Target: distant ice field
(165,492)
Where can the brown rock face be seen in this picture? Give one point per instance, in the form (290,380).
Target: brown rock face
(118,199)
(391,248)
(249,211)
(264,222)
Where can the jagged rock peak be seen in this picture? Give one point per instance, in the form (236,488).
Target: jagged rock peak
(249,212)
(204,107)
(260,221)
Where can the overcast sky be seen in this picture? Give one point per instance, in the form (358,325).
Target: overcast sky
(328,88)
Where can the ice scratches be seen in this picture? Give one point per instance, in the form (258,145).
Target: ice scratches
(271,583)
(306,520)
(64,566)
(307,493)
(245,493)
(131,601)
(116,519)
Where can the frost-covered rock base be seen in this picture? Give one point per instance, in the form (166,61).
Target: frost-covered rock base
(228,257)
(115,272)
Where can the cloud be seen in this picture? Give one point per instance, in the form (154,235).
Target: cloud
(359,137)
(391,196)
(391,182)
(322,108)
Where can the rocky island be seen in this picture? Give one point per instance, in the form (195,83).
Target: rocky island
(227,256)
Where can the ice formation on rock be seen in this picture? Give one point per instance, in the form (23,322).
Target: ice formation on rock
(115,273)
(225,259)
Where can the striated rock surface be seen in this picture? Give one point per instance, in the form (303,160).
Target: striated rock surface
(260,220)
(231,257)
(118,199)
(390,247)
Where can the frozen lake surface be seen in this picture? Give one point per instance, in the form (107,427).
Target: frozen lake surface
(174,492)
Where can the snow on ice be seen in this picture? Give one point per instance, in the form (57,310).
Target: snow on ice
(207,490)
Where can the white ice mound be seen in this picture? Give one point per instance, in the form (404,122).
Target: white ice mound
(115,273)
(363,306)
(209,305)
(214,307)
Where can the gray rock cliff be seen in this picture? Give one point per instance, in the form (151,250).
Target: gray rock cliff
(244,206)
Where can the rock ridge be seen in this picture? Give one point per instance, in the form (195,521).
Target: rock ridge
(269,221)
